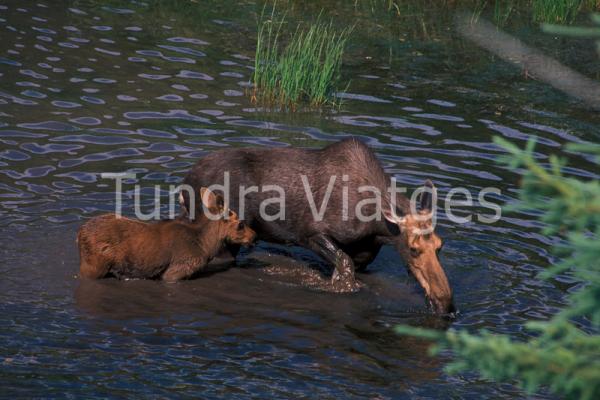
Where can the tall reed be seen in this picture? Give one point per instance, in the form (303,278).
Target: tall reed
(556,11)
(306,70)
(503,10)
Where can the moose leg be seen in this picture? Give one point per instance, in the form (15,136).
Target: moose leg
(343,275)
(230,251)
(93,270)
(182,269)
(226,255)
(362,253)
(362,260)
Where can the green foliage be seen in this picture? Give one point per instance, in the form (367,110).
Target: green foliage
(478,7)
(503,9)
(586,32)
(306,70)
(562,356)
(558,11)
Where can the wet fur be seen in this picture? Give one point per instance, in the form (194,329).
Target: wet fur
(170,250)
(347,244)
(256,166)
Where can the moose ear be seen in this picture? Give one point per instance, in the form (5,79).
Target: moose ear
(208,198)
(184,209)
(220,202)
(395,218)
(426,198)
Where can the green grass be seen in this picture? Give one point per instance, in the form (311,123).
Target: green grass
(556,11)
(478,7)
(503,10)
(306,71)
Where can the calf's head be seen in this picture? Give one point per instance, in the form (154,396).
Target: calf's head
(419,245)
(230,228)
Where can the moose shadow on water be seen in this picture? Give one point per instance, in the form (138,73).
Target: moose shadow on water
(270,317)
(270,277)
(270,299)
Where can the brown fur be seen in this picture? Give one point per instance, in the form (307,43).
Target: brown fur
(421,252)
(346,243)
(170,250)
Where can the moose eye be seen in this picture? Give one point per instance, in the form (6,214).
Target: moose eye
(241,226)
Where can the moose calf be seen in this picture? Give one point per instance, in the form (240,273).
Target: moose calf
(170,250)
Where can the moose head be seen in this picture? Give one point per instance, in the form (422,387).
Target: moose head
(419,245)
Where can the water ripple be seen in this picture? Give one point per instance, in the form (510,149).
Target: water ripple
(92,139)
(184,50)
(50,126)
(50,148)
(92,88)
(194,75)
(93,157)
(21,134)
(187,40)
(14,155)
(171,114)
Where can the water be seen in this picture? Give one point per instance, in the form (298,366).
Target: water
(91,87)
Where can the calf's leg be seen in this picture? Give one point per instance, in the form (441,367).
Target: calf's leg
(183,268)
(343,276)
(93,267)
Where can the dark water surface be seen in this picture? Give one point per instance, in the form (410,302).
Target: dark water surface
(91,87)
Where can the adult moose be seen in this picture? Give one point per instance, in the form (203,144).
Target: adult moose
(320,180)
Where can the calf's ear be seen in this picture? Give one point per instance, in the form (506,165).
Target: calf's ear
(184,210)
(220,202)
(209,199)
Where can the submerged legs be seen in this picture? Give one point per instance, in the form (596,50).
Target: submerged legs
(343,276)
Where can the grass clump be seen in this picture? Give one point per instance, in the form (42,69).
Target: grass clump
(304,71)
(503,9)
(556,11)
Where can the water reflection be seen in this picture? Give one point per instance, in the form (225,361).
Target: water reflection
(91,88)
